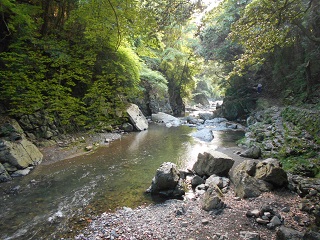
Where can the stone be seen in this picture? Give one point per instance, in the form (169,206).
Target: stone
(284,233)
(262,221)
(4,175)
(205,135)
(167,181)
(21,173)
(127,127)
(167,119)
(270,170)
(253,213)
(211,201)
(205,221)
(137,118)
(246,186)
(253,152)
(221,182)
(213,162)
(89,148)
(246,235)
(20,154)
(275,221)
(196,180)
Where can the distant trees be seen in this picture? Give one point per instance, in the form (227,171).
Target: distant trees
(274,42)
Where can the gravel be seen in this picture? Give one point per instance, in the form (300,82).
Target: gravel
(184,219)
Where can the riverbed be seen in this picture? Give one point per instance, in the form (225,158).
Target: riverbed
(59,197)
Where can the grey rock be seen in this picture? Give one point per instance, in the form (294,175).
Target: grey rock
(211,201)
(247,186)
(284,233)
(205,135)
(221,182)
(253,152)
(213,162)
(246,235)
(275,221)
(254,213)
(167,181)
(21,173)
(196,180)
(137,118)
(4,175)
(168,120)
(20,154)
(262,221)
(270,170)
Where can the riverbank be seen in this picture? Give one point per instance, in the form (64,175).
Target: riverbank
(184,219)
(69,146)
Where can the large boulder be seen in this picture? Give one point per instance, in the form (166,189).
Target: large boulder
(213,162)
(246,186)
(137,118)
(20,154)
(167,119)
(270,170)
(251,178)
(167,181)
(16,152)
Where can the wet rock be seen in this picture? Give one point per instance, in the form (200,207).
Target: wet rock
(137,118)
(213,162)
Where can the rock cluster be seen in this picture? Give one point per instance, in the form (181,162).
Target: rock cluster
(266,216)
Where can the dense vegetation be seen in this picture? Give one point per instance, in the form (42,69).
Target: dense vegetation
(82,61)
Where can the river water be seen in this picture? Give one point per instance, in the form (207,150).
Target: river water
(55,199)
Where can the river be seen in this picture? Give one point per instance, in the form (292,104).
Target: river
(56,199)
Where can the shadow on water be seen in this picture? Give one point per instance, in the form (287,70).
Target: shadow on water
(44,203)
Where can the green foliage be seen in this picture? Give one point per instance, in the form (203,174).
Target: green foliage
(116,81)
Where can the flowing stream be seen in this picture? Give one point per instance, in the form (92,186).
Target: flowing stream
(55,199)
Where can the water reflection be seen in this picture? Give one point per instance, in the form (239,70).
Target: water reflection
(111,177)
